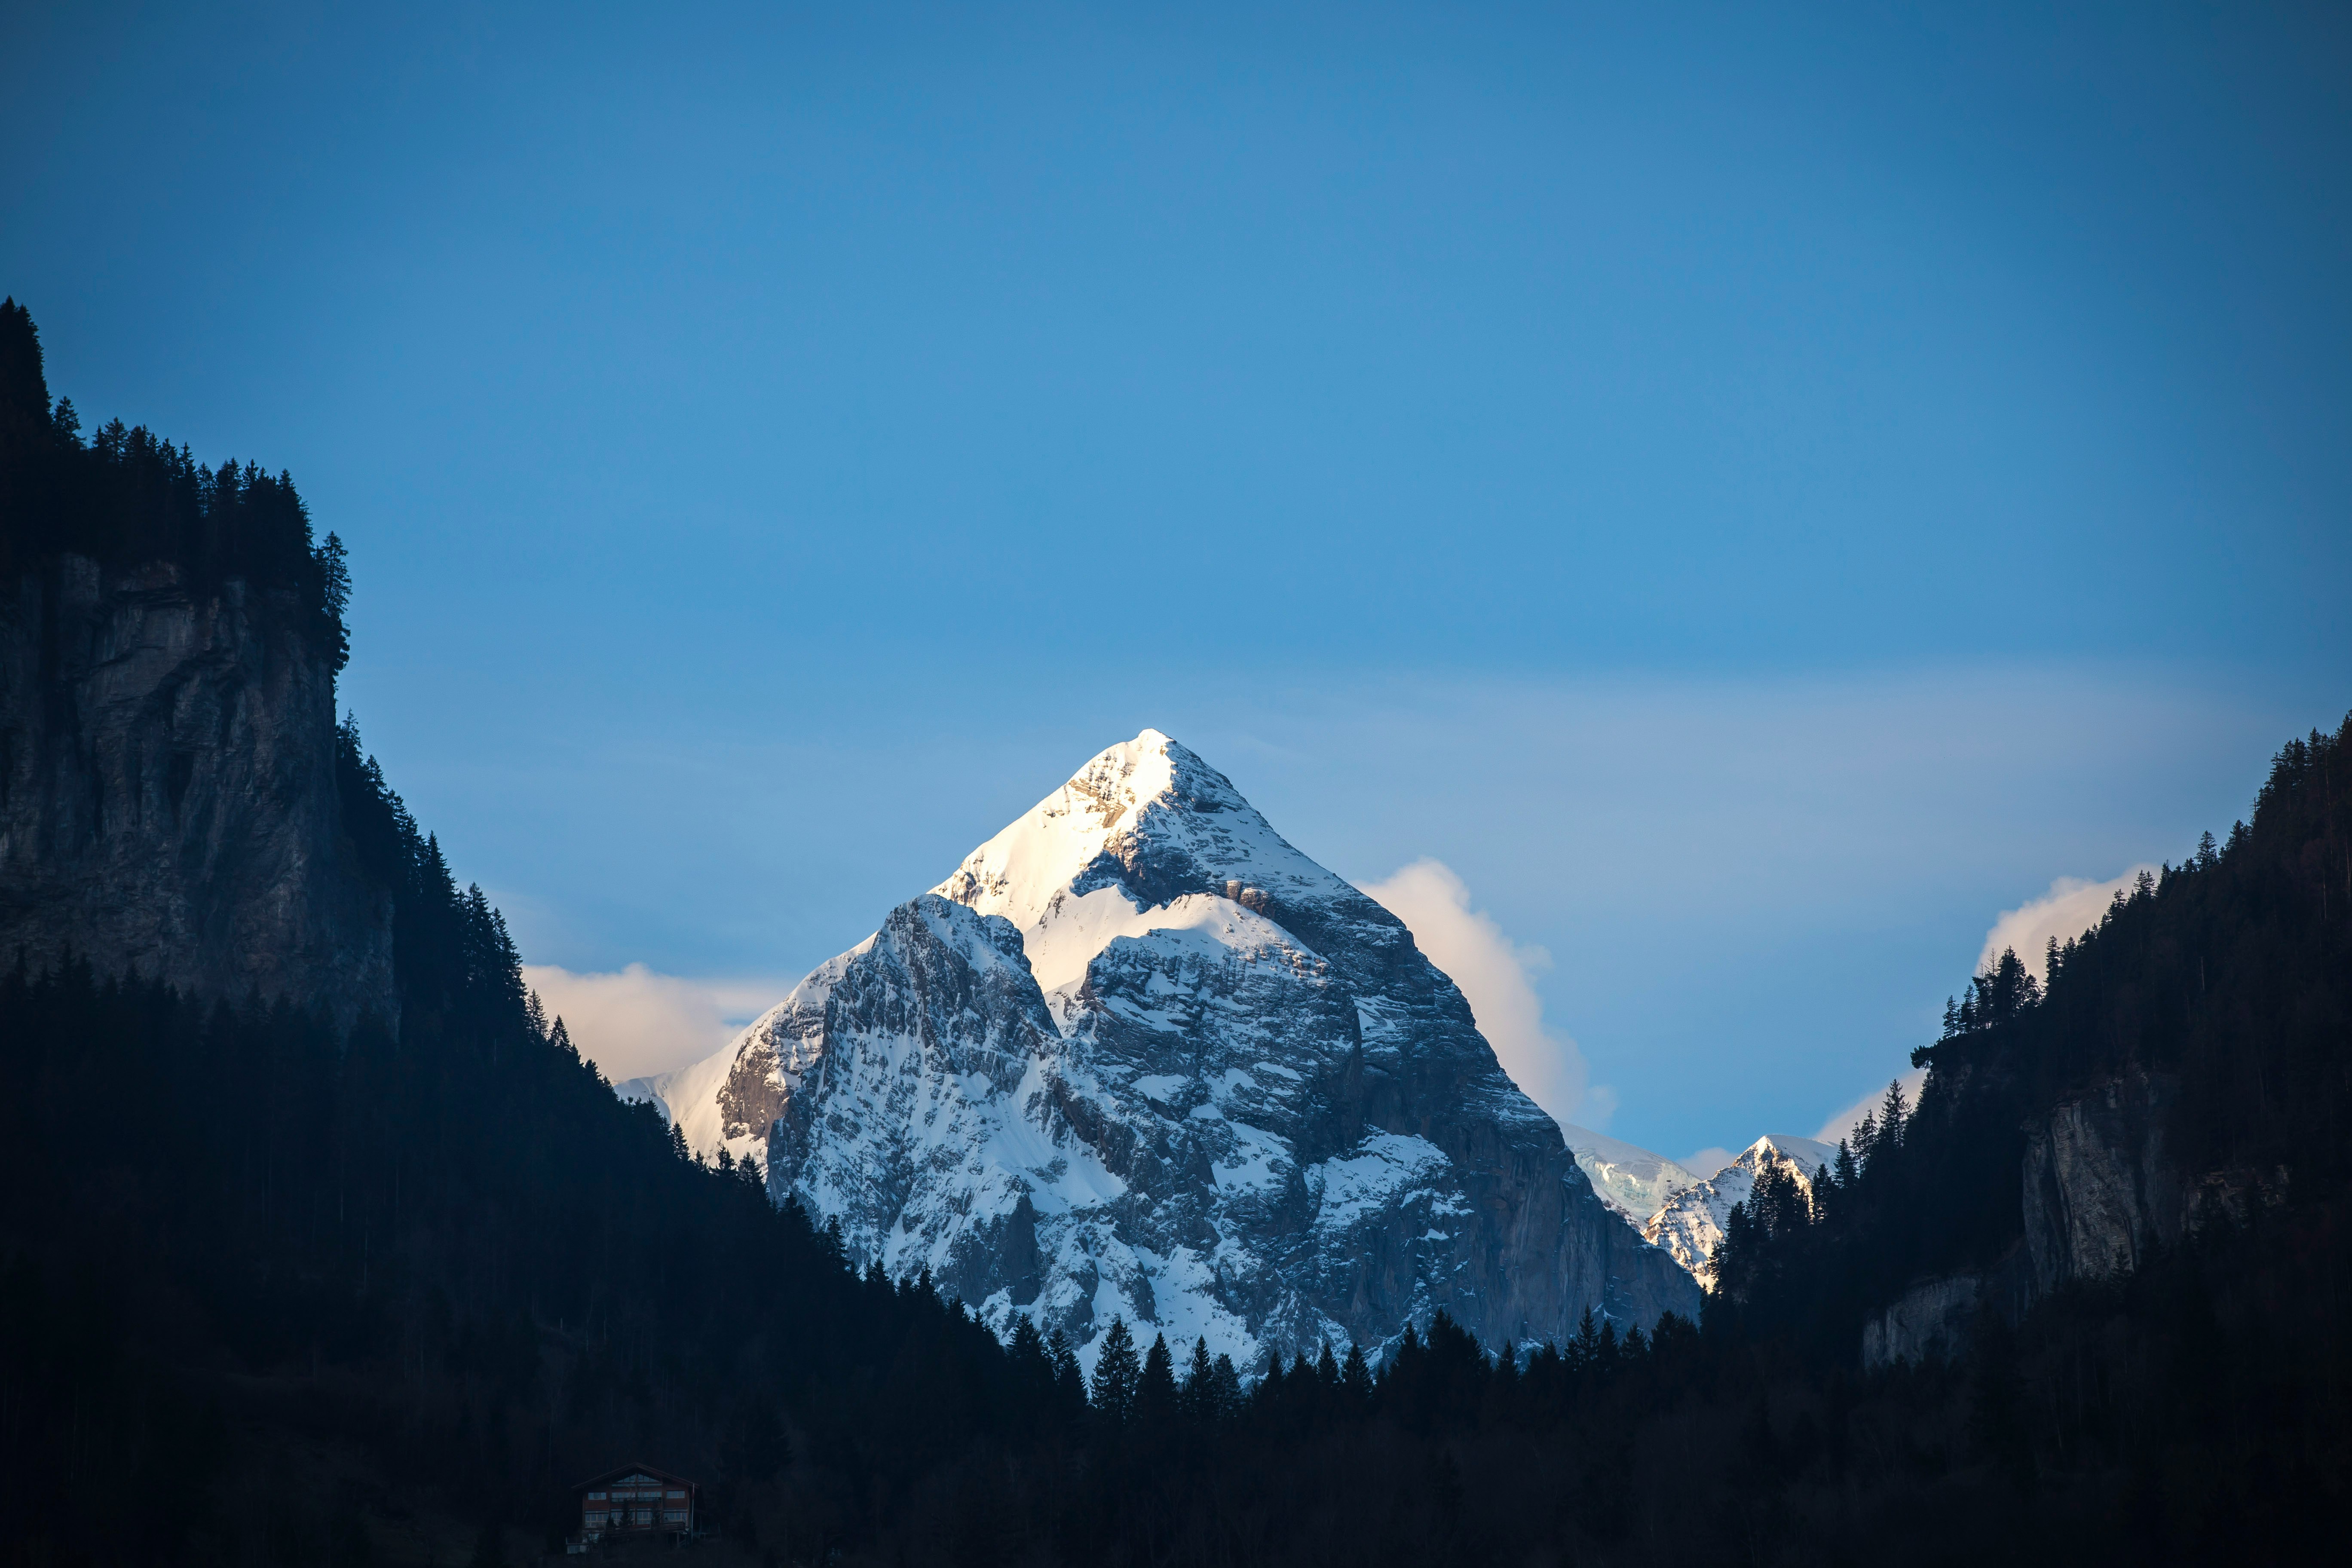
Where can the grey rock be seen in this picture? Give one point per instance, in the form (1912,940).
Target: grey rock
(2099,1190)
(1930,1320)
(167,795)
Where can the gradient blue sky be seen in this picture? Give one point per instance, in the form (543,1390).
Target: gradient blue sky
(1755,495)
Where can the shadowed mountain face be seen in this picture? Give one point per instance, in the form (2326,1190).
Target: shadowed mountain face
(167,791)
(1138,1057)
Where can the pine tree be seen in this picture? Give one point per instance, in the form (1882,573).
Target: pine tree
(1893,1112)
(335,598)
(1069,1381)
(1198,1389)
(1356,1375)
(1584,1350)
(1227,1400)
(24,389)
(1116,1371)
(1155,1390)
(1033,1367)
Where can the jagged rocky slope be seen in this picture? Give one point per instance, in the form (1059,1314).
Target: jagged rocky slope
(1140,1056)
(1691,1222)
(167,790)
(1635,1182)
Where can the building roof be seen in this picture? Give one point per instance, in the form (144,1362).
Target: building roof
(627,1474)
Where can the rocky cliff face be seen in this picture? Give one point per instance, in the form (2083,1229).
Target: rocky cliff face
(1141,1057)
(1930,1320)
(2099,1192)
(167,793)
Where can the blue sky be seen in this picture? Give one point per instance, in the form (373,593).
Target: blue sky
(1754,496)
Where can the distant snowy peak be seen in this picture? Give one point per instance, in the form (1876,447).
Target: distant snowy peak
(1634,1182)
(1691,1223)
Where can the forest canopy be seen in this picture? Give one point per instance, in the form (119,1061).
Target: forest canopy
(127,499)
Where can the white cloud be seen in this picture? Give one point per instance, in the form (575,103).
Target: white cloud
(1496,975)
(2070,908)
(1705,1162)
(635,1021)
(1842,1124)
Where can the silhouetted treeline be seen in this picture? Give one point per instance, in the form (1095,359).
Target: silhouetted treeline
(126,498)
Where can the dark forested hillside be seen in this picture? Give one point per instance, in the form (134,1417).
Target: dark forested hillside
(273,1289)
(127,498)
(387,1282)
(278,1290)
(2139,1173)
(2226,981)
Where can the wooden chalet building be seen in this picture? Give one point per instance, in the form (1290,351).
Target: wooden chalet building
(635,1499)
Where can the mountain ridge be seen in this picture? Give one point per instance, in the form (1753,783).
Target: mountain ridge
(1232,1101)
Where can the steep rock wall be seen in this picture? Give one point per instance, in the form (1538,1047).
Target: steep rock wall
(1930,1319)
(167,793)
(2099,1192)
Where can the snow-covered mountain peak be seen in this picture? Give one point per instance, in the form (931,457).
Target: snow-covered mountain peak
(1143,824)
(1633,1181)
(1808,1154)
(1141,1058)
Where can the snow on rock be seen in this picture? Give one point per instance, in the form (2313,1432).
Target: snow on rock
(1634,1182)
(1692,1222)
(1140,1056)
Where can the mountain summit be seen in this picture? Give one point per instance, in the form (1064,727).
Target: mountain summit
(1138,1057)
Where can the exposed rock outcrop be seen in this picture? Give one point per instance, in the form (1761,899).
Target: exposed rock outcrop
(2099,1192)
(167,793)
(1936,1317)
(1930,1320)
